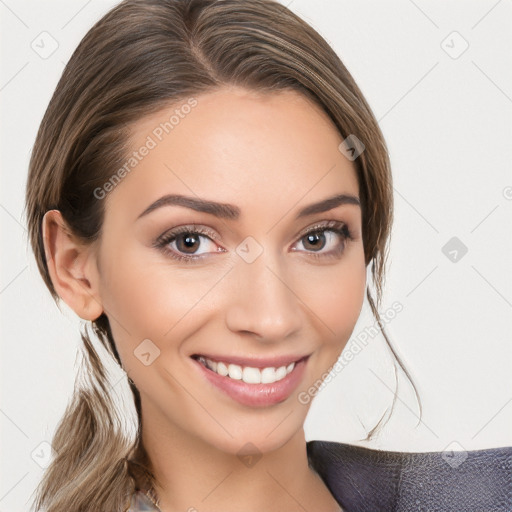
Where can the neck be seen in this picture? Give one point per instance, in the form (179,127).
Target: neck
(193,475)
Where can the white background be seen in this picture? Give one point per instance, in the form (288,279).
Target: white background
(447,122)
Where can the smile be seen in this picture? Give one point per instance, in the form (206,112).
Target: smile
(248,374)
(256,384)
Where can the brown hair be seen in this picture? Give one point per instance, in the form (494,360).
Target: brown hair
(144,55)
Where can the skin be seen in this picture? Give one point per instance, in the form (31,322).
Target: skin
(270,155)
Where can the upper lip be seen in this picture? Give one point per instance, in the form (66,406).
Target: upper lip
(256,362)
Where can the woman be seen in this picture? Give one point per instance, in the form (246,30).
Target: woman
(208,188)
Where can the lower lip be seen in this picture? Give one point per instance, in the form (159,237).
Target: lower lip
(256,395)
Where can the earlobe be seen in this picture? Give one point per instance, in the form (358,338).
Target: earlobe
(71,266)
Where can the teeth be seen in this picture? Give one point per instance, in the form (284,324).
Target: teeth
(268,375)
(235,371)
(280,372)
(251,375)
(247,374)
(222,369)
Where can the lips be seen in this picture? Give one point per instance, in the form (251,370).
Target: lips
(253,382)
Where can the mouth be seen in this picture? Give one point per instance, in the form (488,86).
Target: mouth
(252,373)
(255,383)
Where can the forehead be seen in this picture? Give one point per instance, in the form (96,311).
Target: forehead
(237,143)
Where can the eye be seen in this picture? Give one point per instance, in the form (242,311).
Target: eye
(184,242)
(331,234)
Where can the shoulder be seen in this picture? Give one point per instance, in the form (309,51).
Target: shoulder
(367,479)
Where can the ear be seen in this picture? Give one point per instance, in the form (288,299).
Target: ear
(72,267)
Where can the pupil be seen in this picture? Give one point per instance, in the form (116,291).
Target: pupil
(189,241)
(313,239)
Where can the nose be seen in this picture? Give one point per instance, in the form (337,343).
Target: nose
(262,301)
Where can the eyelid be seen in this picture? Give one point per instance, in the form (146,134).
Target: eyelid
(186,228)
(167,237)
(324,224)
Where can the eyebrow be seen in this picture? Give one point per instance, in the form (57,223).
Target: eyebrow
(232,212)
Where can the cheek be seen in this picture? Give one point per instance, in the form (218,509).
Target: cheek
(335,298)
(145,298)
(136,291)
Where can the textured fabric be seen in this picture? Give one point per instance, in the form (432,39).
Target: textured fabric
(367,480)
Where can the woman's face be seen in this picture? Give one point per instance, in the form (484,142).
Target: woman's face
(229,272)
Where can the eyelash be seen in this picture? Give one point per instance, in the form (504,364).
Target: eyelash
(339,228)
